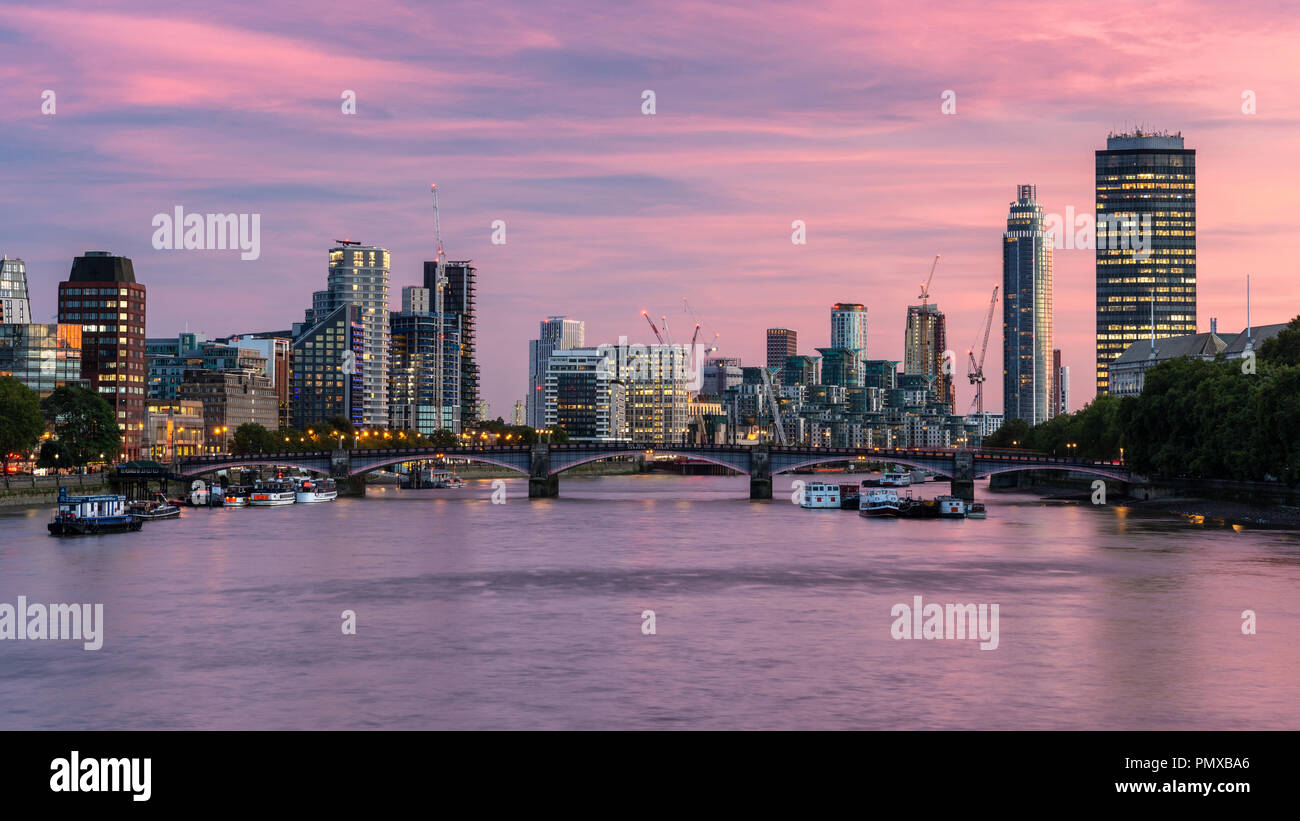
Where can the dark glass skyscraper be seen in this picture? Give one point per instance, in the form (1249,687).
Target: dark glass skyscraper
(1028,375)
(1146,242)
(460,306)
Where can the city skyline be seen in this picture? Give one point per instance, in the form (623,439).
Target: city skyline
(882,179)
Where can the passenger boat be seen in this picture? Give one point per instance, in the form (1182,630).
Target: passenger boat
(271,493)
(90,515)
(896,478)
(878,502)
(307,490)
(821,496)
(235,496)
(951,507)
(156,508)
(976,511)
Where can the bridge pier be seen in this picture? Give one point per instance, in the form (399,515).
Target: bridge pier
(963,476)
(341,473)
(541,483)
(760,472)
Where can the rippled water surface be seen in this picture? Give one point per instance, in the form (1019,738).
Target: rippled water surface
(528,615)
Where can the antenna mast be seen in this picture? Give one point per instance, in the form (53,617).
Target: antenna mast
(440,285)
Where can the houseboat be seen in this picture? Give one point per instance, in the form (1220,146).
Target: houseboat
(821,496)
(878,502)
(308,490)
(951,507)
(89,515)
(271,493)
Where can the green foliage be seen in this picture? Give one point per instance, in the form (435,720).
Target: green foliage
(1283,349)
(84,423)
(21,423)
(53,455)
(251,437)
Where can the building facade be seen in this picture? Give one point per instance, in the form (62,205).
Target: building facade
(42,357)
(102,296)
(358,275)
(230,399)
(460,307)
(584,397)
(849,328)
(556,333)
(1028,371)
(326,379)
(924,342)
(782,343)
(414,380)
(1146,242)
(15,303)
(174,429)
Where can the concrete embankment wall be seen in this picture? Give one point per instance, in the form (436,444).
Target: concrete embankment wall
(20,491)
(1255,493)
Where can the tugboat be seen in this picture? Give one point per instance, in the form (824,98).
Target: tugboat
(156,508)
(271,493)
(307,490)
(878,502)
(821,496)
(90,515)
(910,508)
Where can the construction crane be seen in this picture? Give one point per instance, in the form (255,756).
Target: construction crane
(440,286)
(925,289)
(776,409)
(651,322)
(975,369)
(924,320)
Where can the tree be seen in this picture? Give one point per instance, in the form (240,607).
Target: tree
(1014,433)
(251,437)
(83,422)
(1283,349)
(54,454)
(21,423)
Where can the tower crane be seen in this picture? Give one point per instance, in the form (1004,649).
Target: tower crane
(776,408)
(440,287)
(924,320)
(925,289)
(651,322)
(975,369)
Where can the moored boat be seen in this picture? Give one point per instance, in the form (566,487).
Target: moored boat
(235,496)
(878,502)
(443,479)
(976,511)
(159,507)
(91,515)
(821,496)
(951,507)
(308,490)
(896,478)
(271,493)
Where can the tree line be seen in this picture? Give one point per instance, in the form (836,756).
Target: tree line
(1195,418)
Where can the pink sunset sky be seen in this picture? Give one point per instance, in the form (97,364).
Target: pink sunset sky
(530,113)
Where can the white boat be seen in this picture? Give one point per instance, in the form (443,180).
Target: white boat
(878,501)
(271,493)
(821,495)
(896,478)
(950,507)
(235,496)
(308,490)
(976,511)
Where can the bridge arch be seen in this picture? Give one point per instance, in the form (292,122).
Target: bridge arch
(199,469)
(596,457)
(821,460)
(1117,475)
(397,460)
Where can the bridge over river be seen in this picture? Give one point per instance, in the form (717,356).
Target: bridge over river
(543,462)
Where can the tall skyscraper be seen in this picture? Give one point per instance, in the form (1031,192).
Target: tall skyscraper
(358,275)
(102,296)
(413,367)
(782,343)
(555,333)
(924,343)
(460,307)
(327,381)
(849,329)
(1028,373)
(1146,242)
(15,306)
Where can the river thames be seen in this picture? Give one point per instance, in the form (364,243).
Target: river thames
(529,614)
